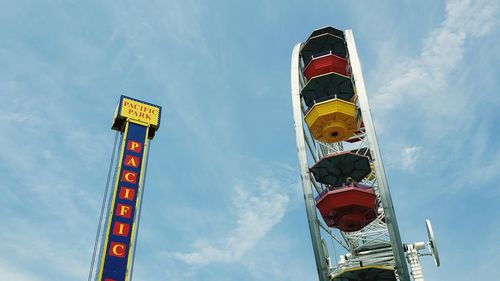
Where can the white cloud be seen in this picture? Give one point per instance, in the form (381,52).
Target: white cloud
(476,18)
(427,100)
(424,79)
(48,167)
(409,157)
(256,215)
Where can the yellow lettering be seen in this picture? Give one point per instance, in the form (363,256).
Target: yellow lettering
(127,193)
(118,249)
(130,177)
(134,145)
(131,162)
(120,228)
(124,209)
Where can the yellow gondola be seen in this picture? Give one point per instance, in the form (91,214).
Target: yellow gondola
(332,120)
(366,273)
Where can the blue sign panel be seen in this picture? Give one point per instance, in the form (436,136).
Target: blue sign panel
(120,226)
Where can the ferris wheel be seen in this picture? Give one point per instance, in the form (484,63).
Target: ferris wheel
(347,198)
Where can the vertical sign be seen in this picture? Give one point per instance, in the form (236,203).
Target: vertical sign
(136,120)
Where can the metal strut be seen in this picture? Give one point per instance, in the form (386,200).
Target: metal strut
(103,207)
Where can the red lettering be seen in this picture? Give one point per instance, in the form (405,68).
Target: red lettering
(144,115)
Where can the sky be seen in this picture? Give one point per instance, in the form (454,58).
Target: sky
(222,197)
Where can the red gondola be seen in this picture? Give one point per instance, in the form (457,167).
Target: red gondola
(326,64)
(348,209)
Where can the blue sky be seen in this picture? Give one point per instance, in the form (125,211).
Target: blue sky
(222,198)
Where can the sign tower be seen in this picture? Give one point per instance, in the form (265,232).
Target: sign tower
(137,122)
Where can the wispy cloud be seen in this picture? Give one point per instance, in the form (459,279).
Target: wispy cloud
(256,212)
(409,157)
(422,81)
(434,100)
(48,165)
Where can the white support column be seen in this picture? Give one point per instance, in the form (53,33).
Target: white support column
(312,219)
